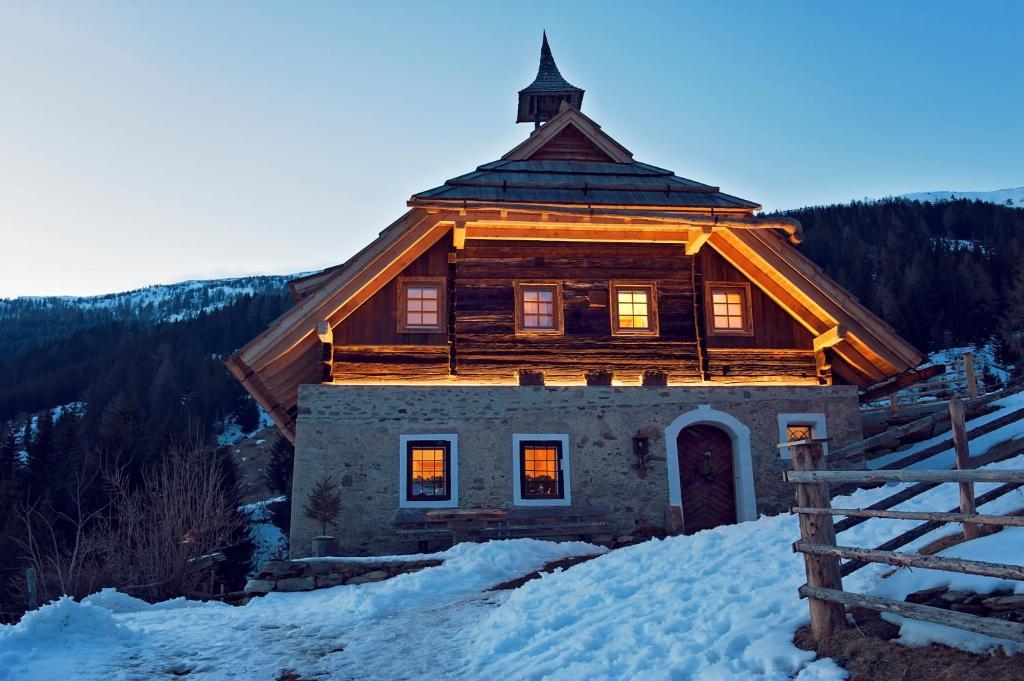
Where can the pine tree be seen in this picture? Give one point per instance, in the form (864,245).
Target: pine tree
(324,504)
(8,452)
(278,472)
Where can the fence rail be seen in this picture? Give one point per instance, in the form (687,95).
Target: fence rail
(824,590)
(960,379)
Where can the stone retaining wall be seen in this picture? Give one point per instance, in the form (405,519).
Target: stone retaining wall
(322,573)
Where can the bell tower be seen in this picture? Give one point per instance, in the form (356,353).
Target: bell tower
(541,99)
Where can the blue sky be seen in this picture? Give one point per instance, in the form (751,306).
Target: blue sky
(153,142)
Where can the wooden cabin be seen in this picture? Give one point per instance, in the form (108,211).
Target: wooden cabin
(565,338)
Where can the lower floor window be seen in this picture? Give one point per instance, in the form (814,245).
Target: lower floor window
(540,470)
(802,431)
(428,466)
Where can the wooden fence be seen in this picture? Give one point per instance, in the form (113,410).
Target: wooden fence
(822,554)
(958,380)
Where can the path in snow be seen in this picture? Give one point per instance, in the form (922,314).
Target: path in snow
(720,604)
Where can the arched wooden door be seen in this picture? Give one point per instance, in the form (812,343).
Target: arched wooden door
(706,478)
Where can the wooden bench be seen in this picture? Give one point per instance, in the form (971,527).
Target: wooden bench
(477,524)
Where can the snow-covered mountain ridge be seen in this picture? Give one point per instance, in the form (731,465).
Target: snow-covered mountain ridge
(160,302)
(1006,197)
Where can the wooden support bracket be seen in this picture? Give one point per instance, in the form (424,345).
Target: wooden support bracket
(831,337)
(697,239)
(459,235)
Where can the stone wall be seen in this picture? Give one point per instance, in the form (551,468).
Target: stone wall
(352,433)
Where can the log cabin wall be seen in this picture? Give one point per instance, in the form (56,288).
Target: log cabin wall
(368,345)
(487,348)
(481,345)
(780,348)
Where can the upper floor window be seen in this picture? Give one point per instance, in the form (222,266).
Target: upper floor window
(728,308)
(421,305)
(538,308)
(634,309)
(429,471)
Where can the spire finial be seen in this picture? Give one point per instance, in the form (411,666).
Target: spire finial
(541,100)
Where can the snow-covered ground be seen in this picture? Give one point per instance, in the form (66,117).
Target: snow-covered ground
(978,446)
(231,433)
(269,540)
(720,604)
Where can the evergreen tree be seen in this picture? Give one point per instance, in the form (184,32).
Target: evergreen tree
(324,503)
(278,471)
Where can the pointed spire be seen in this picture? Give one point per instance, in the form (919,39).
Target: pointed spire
(541,99)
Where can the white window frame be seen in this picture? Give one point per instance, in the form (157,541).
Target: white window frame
(815,420)
(517,497)
(403,470)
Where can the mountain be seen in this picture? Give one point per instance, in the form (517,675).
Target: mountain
(29,320)
(1006,197)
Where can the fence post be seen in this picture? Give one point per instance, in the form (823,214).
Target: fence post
(32,588)
(894,403)
(827,618)
(970,377)
(963,462)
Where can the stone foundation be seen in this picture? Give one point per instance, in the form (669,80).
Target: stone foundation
(353,434)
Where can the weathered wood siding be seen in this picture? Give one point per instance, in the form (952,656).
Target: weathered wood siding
(779,350)
(488,349)
(368,346)
(481,344)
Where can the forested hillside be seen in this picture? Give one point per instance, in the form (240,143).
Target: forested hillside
(942,274)
(29,320)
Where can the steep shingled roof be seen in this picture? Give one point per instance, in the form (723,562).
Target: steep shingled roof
(581,183)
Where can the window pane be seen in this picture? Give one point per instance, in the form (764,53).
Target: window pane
(728,309)
(541,470)
(538,308)
(798,432)
(427,464)
(632,308)
(421,306)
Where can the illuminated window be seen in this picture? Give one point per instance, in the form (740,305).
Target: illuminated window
(634,309)
(540,470)
(802,426)
(421,305)
(729,309)
(796,432)
(428,467)
(538,308)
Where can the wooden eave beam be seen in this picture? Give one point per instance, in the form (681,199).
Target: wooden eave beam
(698,239)
(252,384)
(831,337)
(890,346)
(577,232)
(419,233)
(816,291)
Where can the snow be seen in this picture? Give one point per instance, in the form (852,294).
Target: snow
(231,433)
(165,302)
(300,631)
(978,446)
(1003,547)
(1009,197)
(269,540)
(719,604)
